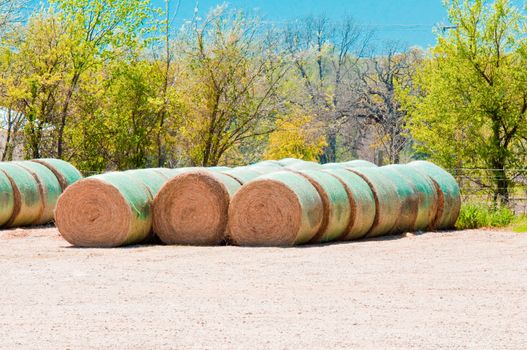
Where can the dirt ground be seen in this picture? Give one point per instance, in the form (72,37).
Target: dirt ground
(450,290)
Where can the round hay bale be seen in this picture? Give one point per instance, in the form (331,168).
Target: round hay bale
(332,165)
(362,203)
(7,199)
(304,166)
(335,202)
(243,174)
(409,200)
(278,209)
(428,195)
(387,200)
(66,173)
(218,168)
(358,163)
(153,179)
(289,161)
(449,201)
(49,187)
(269,163)
(107,210)
(170,173)
(28,203)
(192,208)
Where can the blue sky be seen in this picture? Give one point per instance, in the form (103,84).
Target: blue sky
(409,21)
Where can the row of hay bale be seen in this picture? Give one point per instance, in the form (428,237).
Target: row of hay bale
(29,190)
(270,203)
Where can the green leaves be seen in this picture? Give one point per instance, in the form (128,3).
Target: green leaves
(471,109)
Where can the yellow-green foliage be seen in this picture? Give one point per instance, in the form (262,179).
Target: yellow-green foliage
(468,107)
(297,136)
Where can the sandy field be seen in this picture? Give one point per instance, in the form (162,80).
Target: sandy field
(450,290)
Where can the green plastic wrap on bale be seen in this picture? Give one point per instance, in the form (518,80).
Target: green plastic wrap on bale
(450,203)
(243,174)
(66,173)
(362,202)
(153,179)
(50,189)
(138,198)
(269,163)
(289,161)
(303,165)
(309,200)
(218,168)
(409,200)
(337,209)
(230,184)
(427,193)
(387,200)
(28,201)
(170,173)
(7,199)
(358,163)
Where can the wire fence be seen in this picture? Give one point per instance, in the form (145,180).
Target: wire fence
(480,186)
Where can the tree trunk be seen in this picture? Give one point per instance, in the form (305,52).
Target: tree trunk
(330,151)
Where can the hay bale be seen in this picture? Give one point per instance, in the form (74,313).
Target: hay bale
(362,203)
(170,173)
(49,187)
(428,196)
(288,161)
(243,174)
(218,168)
(107,210)
(303,165)
(269,163)
(449,201)
(28,203)
(66,173)
(278,209)
(387,200)
(153,179)
(335,202)
(358,163)
(192,208)
(409,200)
(7,199)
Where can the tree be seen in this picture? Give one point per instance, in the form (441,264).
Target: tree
(471,102)
(297,136)
(325,57)
(229,82)
(378,105)
(11,12)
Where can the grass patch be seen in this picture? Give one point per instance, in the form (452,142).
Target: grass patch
(474,216)
(520,224)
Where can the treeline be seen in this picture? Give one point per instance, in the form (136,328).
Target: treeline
(118,84)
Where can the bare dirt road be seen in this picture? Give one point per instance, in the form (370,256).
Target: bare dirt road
(452,290)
